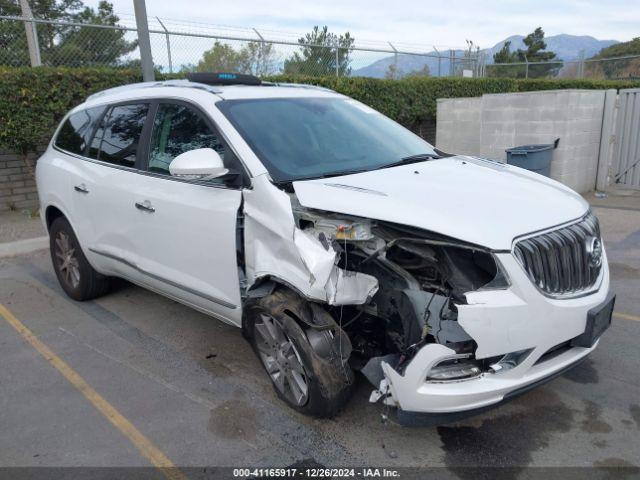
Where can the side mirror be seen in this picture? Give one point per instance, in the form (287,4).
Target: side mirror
(198,164)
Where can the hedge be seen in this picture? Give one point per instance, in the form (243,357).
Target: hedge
(529,85)
(33,100)
(409,101)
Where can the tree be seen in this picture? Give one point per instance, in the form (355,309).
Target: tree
(63,44)
(222,57)
(85,46)
(256,58)
(621,60)
(321,53)
(535,53)
(393,72)
(422,72)
(260,58)
(503,57)
(13,41)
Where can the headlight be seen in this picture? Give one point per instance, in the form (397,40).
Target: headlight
(464,269)
(472,270)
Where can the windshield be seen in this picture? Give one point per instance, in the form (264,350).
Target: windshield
(300,138)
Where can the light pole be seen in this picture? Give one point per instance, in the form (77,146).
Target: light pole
(144,43)
(32,35)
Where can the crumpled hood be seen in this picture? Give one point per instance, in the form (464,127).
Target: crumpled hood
(467,198)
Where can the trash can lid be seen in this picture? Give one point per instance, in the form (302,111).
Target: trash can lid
(531,148)
(534,148)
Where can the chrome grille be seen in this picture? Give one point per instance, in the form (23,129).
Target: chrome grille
(562,261)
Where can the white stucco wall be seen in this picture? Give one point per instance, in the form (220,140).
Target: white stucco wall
(486,126)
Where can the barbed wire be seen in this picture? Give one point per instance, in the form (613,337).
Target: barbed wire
(179,46)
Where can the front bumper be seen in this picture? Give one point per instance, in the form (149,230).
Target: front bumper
(500,321)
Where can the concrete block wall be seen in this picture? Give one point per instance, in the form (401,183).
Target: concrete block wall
(486,126)
(458,125)
(17,185)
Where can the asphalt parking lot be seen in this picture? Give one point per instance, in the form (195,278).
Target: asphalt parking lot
(194,391)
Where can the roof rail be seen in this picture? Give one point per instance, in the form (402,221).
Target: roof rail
(163,83)
(303,85)
(207,82)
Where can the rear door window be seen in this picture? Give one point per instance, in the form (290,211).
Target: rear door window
(117,138)
(77,129)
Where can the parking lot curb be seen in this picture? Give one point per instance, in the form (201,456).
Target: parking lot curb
(20,247)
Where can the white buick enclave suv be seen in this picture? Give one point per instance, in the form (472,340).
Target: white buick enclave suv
(335,238)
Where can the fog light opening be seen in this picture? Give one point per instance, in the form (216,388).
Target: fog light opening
(509,361)
(458,367)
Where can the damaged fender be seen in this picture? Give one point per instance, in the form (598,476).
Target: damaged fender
(276,248)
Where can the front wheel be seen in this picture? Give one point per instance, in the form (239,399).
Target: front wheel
(307,366)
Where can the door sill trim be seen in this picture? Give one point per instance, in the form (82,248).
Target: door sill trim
(163,280)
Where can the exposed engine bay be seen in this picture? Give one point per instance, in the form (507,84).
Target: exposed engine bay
(397,289)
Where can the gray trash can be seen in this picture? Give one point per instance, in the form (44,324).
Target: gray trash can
(536,158)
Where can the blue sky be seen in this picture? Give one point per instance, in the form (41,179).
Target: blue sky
(415,22)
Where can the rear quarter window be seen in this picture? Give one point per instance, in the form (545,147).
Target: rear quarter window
(76,130)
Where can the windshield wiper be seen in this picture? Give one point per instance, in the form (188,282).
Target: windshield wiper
(420,157)
(331,174)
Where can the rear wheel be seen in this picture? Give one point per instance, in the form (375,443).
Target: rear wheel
(76,276)
(302,350)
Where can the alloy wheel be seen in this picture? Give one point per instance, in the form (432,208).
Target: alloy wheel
(67,260)
(281,360)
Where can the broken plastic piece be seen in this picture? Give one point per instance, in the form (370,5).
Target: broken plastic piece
(382,393)
(373,368)
(509,361)
(276,249)
(350,288)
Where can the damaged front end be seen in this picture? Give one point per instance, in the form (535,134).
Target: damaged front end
(409,332)
(394,290)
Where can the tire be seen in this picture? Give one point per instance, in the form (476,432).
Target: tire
(76,276)
(324,368)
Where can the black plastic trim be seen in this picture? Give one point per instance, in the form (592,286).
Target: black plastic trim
(148,174)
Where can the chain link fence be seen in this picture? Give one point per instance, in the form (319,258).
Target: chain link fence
(178,48)
(615,68)
(182,47)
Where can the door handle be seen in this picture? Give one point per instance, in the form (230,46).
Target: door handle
(145,206)
(82,188)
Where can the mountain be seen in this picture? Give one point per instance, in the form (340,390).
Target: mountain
(631,47)
(620,68)
(567,47)
(406,64)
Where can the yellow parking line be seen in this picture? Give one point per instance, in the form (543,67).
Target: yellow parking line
(626,316)
(148,449)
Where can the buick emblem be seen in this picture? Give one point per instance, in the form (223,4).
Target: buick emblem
(594,249)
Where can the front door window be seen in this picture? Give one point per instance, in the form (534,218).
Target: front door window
(178,129)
